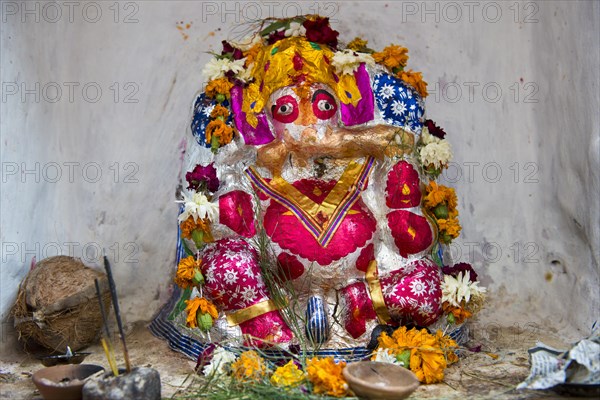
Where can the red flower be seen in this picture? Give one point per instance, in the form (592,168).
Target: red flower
(319,31)
(203,174)
(236,54)
(276,36)
(458,268)
(434,129)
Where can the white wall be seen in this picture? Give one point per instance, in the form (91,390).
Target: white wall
(533,231)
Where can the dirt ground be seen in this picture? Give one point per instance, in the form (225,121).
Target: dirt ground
(492,373)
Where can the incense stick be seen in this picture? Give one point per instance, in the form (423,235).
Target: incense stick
(106,344)
(113,292)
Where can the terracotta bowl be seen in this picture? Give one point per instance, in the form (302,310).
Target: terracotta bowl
(63,382)
(378,380)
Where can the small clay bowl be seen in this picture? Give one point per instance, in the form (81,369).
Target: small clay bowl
(63,382)
(75,358)
(378,380)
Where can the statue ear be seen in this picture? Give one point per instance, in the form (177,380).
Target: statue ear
(364,110)
(262,134)
(201,117)
(399,104)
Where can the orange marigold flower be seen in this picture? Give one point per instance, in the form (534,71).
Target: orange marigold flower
(326,376)
(218,86)
(440,194)
(219,111)
(288,376)
(220,130)
(392,56)
(429,354)
(252,53)
(358,44)
(189,225)
(199,305)
(450,226)
(459,313)
(186,270)
(415,79)
(249,367)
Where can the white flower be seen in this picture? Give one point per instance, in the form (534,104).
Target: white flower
(220,360)
(216,68)
(455,290)
(245,74)
(437,153)
(295,29)
(384,355)
(247,43)
(198,207)
(348,61)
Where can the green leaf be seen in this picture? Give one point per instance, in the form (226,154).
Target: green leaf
(275,26)
(180,304)
(198,238)
(186,248)
(404,358)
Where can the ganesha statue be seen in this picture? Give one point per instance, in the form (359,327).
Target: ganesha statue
(310,211)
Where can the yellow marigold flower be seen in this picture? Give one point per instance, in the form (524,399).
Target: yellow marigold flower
(429,354)
(392,56)
(326,376)
(438,194)
(219,111)
(202,305)
(357,44)
(415,79)
(189,225)
(185,272)
(288,375)
(449,226)
(251,54)
(459,313)
(249,367)
(220,130)
(218,86)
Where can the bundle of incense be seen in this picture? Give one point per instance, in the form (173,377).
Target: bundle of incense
(106,342)
(115,301)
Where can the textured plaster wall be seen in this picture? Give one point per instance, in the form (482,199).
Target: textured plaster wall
(517,93)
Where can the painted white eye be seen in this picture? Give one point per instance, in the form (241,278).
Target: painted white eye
(285,109)
(325,105)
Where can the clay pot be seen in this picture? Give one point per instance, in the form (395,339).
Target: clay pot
(63,382)
(378,380)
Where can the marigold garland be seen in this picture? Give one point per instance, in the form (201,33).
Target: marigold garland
(415,79)
(326,376)
(441,202)
(186,270)
(218,86)
(249,367)
(288,376)
(219,111)
(458,313)
(357,44)
(190,225)
(220,130)
(199,304)
(392,56)
(429,354)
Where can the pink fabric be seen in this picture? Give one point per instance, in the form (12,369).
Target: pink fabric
(234,282)
(252,136)
(287,231)
(358,309)
(412,233)
(402,190)
(235,212)
(413,293)
(364,110)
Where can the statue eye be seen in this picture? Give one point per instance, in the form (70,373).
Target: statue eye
(323,104)
(285,109)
